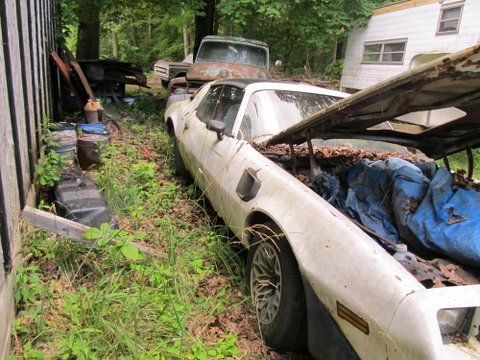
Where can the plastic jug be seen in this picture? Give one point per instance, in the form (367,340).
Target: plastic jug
(91,112)
(100,109)
(402,253)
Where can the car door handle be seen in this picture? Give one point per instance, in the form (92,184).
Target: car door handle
(248,185)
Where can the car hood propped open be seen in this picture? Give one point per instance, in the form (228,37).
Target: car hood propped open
(450,81)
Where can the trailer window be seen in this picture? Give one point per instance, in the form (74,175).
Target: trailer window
(449,21)
(384,52)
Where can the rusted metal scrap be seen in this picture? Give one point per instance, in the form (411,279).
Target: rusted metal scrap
(345,154)
(91,78)
(439,272)
(107,76)
(75,78)
(461,179)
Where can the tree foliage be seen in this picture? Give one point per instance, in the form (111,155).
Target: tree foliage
(304,34)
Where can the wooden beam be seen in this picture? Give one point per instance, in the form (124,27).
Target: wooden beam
(402,5)
(71,229)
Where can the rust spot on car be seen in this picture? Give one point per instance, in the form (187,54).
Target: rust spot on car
(208,71)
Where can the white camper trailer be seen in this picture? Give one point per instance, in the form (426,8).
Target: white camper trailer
(405,34)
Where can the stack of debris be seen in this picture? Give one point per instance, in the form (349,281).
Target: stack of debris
(106,78)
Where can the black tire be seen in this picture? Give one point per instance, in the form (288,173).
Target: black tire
(287,330)
(176,161)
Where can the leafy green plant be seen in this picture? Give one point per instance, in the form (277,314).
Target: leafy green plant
(334,69)
(48,171)
(118,243)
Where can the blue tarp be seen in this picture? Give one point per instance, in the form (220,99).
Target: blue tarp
(412,204)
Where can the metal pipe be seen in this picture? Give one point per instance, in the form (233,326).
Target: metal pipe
(447,164)
(311,156)
(294,158)
(470,162)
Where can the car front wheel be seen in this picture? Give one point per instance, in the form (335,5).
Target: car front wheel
(277,291)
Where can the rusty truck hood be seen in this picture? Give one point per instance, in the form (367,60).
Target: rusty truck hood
(451,81)
(208,71)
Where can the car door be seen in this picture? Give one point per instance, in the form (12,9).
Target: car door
(194,131)
(217,154)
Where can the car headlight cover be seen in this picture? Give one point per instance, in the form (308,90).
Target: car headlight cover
(455,324)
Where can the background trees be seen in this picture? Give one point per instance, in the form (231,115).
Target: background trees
(307,35)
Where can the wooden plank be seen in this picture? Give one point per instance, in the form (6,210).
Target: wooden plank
(70,229)
(402,5)
(45,54)
(24,38)
(35,70)
(7,312)
(2,269)
(40,51)
(9,192)
(56,224)
(15,92)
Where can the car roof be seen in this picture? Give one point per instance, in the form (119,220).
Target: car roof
(451,82)
(234,38)
(265,84)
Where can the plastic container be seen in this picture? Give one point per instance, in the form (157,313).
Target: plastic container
(402,253)
(100,109)
(91,112)
(96,128)
(78,198)
(62,126)
(65,143)
(89,149)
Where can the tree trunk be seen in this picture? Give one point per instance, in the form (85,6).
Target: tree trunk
(204,23)
(134,35)
(114,44)
(335,47)
(88,37)
(340,49)
(186,41)
(149,26)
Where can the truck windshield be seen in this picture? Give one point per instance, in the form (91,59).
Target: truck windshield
(233,53)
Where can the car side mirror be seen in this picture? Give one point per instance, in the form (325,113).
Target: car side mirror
(217,126)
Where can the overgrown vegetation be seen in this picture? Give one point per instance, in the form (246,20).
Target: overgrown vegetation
(303,34)
(109,301)
(48,170)
(459,161)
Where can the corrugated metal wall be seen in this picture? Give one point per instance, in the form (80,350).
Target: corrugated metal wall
(25,101)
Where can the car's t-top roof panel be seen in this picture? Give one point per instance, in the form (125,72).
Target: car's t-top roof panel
(450,82)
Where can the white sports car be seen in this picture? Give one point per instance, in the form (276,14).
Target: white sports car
(319,278)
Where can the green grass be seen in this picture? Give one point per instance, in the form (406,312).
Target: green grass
(459,161)
(110,302)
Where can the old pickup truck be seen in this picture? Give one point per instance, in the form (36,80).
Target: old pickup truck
(221,57)
(167,70)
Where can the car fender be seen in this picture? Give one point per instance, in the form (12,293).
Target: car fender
(341,263)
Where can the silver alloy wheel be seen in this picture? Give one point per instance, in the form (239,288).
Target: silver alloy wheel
(266,282)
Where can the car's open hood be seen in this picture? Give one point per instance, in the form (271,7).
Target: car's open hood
(208,71)
(451,81)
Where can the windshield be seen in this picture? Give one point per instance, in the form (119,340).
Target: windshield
(271,111)
(233,53)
